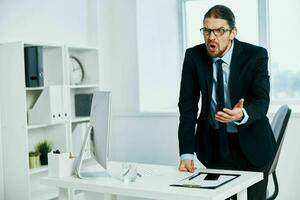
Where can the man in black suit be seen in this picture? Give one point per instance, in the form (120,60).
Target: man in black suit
(232,79)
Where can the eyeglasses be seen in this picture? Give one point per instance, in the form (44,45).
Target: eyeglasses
(217,31)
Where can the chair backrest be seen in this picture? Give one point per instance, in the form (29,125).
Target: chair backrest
(279,124)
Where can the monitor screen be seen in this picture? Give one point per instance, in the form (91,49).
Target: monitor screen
(98,131)
(100,123)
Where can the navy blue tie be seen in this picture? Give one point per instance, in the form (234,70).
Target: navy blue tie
(223,138)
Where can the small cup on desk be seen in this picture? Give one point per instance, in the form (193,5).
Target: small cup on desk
(129,172)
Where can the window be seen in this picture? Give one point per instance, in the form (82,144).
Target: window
(159,56)
(284,50)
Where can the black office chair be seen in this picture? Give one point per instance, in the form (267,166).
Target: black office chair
(279,124)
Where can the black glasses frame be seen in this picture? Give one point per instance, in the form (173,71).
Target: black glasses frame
(217,31)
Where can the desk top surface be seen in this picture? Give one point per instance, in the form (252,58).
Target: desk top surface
(155,182)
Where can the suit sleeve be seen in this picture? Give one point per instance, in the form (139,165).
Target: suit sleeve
(188,105)
(258,98)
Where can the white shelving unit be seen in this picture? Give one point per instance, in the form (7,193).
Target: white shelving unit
(19,136)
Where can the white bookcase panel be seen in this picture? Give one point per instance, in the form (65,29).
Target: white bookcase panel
(13,121)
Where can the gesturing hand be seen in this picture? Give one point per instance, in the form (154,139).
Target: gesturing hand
(227,115)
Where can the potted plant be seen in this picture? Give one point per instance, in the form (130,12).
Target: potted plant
(43,147)
(33,159)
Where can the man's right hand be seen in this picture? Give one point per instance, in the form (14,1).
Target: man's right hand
(187,166)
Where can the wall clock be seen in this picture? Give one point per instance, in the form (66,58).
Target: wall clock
(76,71)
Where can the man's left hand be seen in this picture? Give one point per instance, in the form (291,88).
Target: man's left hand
(228,115)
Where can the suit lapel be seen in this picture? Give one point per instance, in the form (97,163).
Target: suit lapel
(209,79)
(235,67)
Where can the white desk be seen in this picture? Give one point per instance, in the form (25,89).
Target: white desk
(154,184)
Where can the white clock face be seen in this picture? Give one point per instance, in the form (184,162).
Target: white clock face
(76,71)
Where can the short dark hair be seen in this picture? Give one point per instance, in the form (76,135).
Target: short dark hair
(221,12)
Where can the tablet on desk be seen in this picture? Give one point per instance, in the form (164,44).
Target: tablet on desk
(211,177)
(205,180)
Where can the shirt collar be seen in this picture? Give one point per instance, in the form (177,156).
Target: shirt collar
(227,57)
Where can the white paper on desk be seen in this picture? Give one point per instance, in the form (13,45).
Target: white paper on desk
(199,180)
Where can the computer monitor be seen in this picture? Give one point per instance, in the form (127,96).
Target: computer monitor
(98,131)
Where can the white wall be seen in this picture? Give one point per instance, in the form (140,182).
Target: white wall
(118,53)
(134,41)
(52,21)
(1,167)
(149,139)
(159,54)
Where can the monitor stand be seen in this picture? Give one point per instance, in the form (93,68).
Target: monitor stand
(94,174)
(78,163)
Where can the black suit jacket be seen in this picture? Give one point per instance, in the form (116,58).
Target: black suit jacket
(248,79)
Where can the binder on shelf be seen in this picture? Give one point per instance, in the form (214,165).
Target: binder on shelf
(50,107)
(34,66)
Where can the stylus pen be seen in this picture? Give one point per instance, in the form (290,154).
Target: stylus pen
(194,176)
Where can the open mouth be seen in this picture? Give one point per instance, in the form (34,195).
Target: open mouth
(212,47)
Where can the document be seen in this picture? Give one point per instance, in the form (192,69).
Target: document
(205,180)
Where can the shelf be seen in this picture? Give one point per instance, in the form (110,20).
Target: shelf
(34,88)
(38,170)
(33,126)
(80,119)
(84,86)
